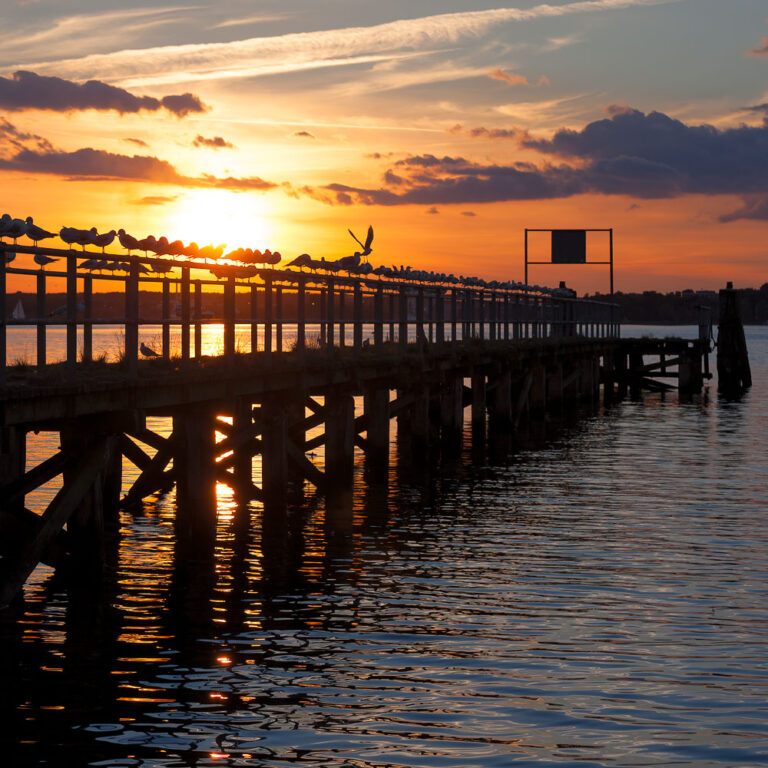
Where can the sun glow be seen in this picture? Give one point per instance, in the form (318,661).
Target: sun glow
(221,217)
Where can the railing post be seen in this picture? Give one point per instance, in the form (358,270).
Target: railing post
(88,319)
(331,313)
(357,314)
(439,315)
(301,317)
(166,316)
(392,314)
(254,319)
(342,329)
(131,317)
(198,315)
(268,317)
(454,313)
(378,313)
(41,325)
(72,313)
(229,318)
(420,335)
(323,324)
(184,313)
(278,318)
(402,331)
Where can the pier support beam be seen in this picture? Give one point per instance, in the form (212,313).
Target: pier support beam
(13,458)
(500,416)
(194,439)
(339,439)
(274,452)
(537,396)
(376,408)
(452,414)
(479,406)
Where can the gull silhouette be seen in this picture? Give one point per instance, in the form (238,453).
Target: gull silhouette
(147,351)
(368,240)
(35,233)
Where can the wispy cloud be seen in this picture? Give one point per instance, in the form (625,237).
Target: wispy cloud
(69,35)
(301,51)
(262,18)
(510,78)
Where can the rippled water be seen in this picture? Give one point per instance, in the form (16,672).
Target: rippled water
(596,599)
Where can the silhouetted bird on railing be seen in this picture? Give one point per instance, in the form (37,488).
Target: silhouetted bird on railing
(147,244)
(14,229)
(42,259)
(35,233)
(304,260)
(74,236)
(103,240)
(147,351)
(129,242)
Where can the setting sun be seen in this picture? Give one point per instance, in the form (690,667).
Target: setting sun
(220,216)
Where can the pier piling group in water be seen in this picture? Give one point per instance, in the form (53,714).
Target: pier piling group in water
(387,351)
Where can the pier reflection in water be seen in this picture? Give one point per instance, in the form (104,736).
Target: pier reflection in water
(596,598)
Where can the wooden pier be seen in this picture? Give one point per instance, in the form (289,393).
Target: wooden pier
(329,362)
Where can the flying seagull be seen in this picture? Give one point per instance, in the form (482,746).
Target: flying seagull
(368,240)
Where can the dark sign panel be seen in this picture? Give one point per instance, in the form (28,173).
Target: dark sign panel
(569,246)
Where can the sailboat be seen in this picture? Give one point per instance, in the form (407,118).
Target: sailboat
(18,311)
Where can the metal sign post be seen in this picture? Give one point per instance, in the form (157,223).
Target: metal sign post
(569,247)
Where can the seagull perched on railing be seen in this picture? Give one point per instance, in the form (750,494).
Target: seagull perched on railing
(42,259)
(304,260)
(103,240)
(35,233)
(74,236)
(129,242)
(367,246)
(15,229)
(5,222)
(147,351)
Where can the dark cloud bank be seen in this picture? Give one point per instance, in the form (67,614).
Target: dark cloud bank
(628,153)
(27,90)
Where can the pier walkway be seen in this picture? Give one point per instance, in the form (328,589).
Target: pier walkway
(310,366)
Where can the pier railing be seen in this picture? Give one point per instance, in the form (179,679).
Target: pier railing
(270,311)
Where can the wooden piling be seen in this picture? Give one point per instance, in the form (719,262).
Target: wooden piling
(376,410)
(339,438)
(733,370)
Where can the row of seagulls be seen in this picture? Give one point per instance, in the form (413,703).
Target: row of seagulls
(245,258)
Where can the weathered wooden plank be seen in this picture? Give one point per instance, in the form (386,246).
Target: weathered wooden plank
(33,479)
(15,570)
(305,466)
(133,453)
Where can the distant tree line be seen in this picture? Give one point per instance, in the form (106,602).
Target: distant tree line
(682,307)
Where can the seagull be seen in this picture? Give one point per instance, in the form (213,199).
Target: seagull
(103,240)
(304,260)
(147,244)
(129,242)
(42,260)
(272,257)
(368,240)
(74,236)
(35,233)
(147,351)
(160,246)
(176,248)
(5,222)
(191,250)
(16,229)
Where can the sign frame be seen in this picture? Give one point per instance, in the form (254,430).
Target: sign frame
(608,263)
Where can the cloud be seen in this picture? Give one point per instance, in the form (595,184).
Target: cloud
(216,142)
(507,77)
(629,153)
(488,133)
(14,139)
(432,210)
(468,213)
(137,142)
(260,19)
(303,134)
(682,158)
(752,208)
(156,200)
(98,165)
(308,50)
(28,90)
